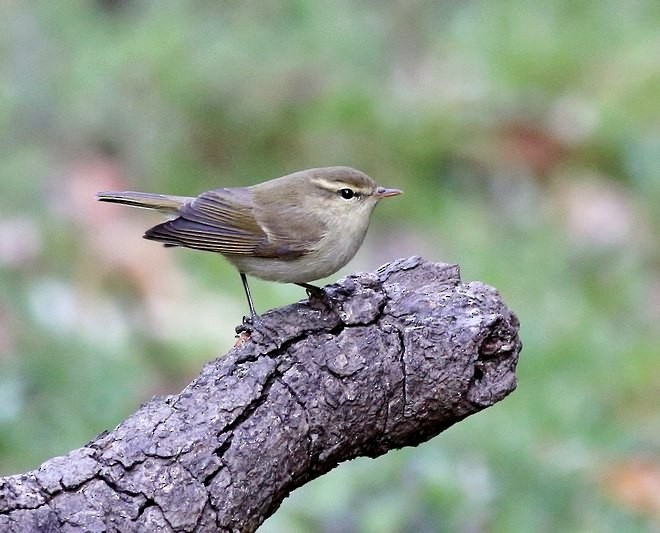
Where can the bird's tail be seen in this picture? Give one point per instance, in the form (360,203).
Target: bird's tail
(159,202)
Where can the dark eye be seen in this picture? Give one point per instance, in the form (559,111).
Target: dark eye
(346,194)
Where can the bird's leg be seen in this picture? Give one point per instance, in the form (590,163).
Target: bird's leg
(312,290)
(248,323)
(253,313)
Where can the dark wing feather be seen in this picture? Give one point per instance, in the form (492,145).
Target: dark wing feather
(222,221)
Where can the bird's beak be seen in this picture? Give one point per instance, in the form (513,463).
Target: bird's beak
(382,192)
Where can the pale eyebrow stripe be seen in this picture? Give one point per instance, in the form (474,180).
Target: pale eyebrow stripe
(329,185)
(336,185)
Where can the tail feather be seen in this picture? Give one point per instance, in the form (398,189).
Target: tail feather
(159,202)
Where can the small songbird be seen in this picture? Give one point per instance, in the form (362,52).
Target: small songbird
(294,229)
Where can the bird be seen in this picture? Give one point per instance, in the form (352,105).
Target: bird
(293,229)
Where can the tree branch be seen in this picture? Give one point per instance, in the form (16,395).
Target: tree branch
(383,360)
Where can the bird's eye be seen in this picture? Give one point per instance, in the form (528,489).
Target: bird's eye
(347,193)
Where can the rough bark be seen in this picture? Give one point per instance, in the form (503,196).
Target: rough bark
(384,360)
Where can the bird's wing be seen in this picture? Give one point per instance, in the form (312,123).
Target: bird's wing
(291,228)
(223,221)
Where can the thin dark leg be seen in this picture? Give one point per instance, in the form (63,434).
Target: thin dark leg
(253,313)
(312,290)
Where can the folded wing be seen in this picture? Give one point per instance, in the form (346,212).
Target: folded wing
(224,221)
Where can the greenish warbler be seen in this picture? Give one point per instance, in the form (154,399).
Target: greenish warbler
(294,229)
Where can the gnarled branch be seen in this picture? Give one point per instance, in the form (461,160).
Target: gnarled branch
(383,360)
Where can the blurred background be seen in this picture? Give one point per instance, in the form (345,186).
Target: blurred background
(526,136)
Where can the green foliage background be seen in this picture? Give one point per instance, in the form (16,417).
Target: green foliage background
(526,136)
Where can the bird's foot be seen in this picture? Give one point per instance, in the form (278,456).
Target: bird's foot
(316,292)
(247,326)
(313,291)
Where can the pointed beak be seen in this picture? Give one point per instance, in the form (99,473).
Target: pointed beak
(382,192)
